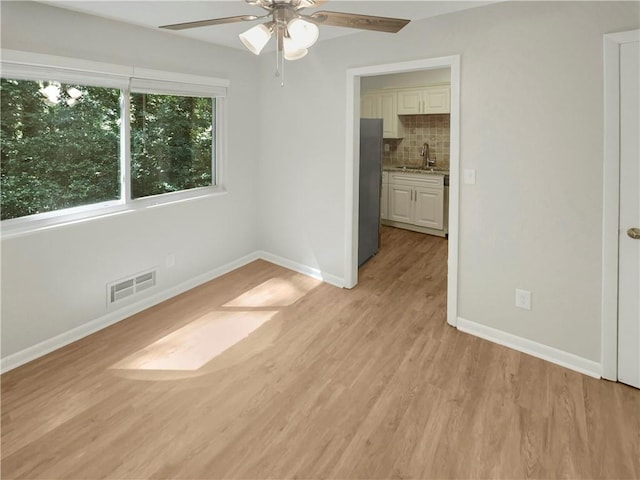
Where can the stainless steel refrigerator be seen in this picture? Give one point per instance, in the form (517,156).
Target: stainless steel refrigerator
(370,186)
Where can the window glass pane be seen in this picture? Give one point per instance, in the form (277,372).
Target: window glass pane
(60,146)
(172,143)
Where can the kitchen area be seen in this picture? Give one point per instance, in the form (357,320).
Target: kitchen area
(415,143)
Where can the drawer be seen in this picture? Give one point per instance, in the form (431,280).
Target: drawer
(417,180)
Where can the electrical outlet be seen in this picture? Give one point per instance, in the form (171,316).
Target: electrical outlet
(387,147)
(170,261)
(523,299)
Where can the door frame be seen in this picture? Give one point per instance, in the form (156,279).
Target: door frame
(611,200)
(352,173)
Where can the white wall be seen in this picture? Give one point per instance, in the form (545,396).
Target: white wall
(55,280)
(531,125)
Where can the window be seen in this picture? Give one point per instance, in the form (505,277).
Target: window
(82,143)
(171,143)
(60,146)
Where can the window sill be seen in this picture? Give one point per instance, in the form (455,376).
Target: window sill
(51,220)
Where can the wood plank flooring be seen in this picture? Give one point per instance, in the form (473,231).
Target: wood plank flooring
(369,383)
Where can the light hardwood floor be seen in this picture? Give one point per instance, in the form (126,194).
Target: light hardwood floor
(367,383)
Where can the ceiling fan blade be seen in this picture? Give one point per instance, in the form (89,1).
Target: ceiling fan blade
(207,23)
(363,22)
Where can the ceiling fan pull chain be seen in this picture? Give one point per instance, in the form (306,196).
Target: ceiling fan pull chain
(278,50)
(280,54)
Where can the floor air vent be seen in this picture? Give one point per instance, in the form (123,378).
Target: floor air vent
(130,286)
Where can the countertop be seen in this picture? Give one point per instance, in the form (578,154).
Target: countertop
(424,171)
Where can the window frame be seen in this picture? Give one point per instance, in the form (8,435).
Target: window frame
(29,66)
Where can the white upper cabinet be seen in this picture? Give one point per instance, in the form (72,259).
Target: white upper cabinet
(424,100)
(410,101)
(392,128)
(370,106)
(384,105)
(437,100)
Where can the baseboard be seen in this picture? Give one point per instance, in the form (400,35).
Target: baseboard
(40,349)
(535,349)
(304,269)
(416,228)
(31,353)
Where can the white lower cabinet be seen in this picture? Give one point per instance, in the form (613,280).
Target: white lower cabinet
(384,199)
(429,207)
(401,203)
(417,200)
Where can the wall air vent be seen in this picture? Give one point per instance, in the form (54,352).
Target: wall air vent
(121,289)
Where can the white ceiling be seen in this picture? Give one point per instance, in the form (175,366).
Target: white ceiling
(152,13)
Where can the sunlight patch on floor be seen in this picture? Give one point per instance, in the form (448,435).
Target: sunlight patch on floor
(276,292)
(197,343)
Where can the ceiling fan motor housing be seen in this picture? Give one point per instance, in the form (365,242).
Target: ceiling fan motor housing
(283,13)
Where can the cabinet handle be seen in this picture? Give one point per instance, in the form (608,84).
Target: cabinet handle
(634,233)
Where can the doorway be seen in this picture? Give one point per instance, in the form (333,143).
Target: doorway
(352,167)
(621,211)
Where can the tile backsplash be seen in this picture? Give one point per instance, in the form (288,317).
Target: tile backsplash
(419,129)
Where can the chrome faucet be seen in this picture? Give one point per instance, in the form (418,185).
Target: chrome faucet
(424,152)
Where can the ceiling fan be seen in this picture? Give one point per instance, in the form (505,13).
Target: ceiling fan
(295,32)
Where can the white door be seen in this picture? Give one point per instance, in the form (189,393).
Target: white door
(629,247)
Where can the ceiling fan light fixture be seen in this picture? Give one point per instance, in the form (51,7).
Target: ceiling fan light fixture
(256,38)
(292,51)
(303,33)
(295,32)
